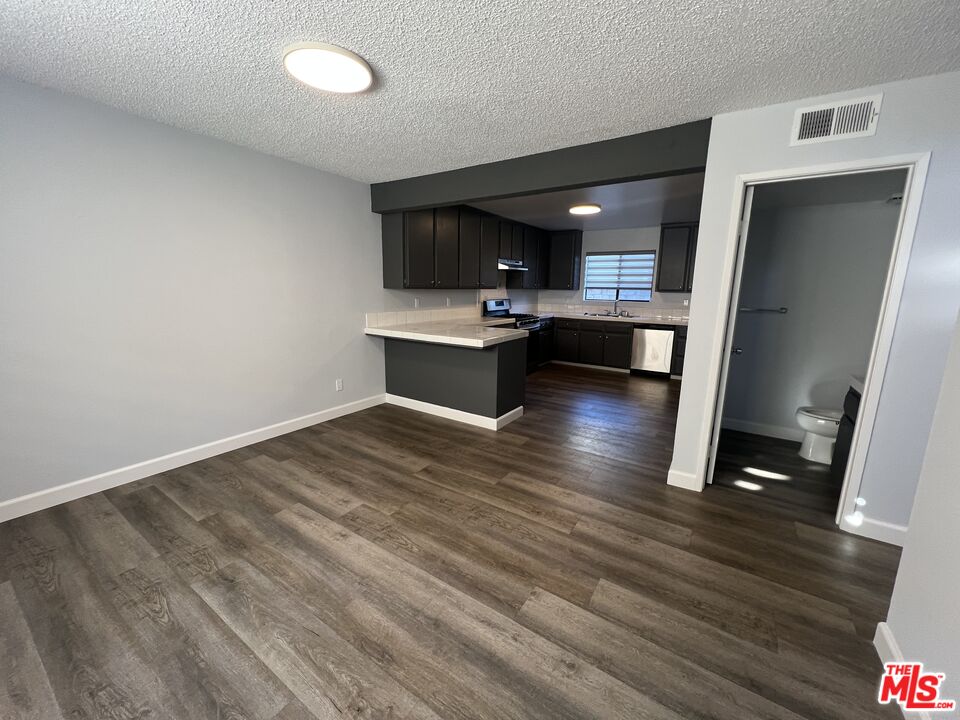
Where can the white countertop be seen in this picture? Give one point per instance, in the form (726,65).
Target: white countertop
(463,332)
(650,320)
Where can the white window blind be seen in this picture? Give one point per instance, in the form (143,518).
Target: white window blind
(619,276)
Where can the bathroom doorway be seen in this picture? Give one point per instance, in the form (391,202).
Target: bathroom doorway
(813,274)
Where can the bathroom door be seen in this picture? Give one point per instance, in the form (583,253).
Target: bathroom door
(731,326)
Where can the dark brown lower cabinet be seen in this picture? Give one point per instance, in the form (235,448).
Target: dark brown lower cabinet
(594,342)
(617,347)
(567,344)
(591,347)
(679,349)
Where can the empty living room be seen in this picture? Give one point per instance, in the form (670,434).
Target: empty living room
(490,360)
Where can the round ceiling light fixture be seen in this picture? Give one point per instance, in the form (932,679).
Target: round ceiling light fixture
(327,67)
(586,209)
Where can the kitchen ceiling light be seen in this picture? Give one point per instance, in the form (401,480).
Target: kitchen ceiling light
(327,67)
(587,209)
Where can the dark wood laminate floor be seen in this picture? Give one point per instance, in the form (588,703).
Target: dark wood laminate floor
(773,468)
(393,565)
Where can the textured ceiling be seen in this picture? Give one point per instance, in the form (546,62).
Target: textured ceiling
(461,83)
(641,203)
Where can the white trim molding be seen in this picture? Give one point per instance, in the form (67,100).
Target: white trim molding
(26,504)
(687,481)
(482,421)
(876,530)
(889,652)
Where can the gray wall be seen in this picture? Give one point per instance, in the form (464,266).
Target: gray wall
(160,290)
(827,264)
(646,238)
(923,613)
(758,140)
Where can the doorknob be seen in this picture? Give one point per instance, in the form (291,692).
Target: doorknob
(738,351)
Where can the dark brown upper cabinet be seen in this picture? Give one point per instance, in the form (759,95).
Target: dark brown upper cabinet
(446,247)
(516,246)
(442,248)
(530,255)
(470,227)
(506,239)
(489,250)
(543,259)
(678,251)
(564,262)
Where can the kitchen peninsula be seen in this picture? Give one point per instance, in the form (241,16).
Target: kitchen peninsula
(467,369)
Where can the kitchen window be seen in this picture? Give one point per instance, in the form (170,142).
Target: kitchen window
(620,276)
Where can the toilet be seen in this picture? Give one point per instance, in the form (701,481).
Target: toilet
(820,428)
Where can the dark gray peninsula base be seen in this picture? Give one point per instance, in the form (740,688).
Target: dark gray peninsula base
(480,386)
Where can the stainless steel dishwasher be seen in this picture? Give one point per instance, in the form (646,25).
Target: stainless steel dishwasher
(652,349)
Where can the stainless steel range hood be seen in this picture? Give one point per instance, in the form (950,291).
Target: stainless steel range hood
(506,264)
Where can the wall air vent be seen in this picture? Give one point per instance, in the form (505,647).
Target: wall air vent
(836,121)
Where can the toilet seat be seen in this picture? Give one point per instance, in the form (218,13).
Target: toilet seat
(822,413)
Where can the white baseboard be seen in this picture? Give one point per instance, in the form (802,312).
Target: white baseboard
(793,434)
(889,652)
(685,480)
(26,504)
(886,644)
(482,421)
(877,530)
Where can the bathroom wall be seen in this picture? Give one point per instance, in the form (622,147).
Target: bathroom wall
(631,239)
(827,265)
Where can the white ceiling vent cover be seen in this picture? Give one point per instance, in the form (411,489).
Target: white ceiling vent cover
(836,121)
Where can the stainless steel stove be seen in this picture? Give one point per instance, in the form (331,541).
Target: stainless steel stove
(501,308)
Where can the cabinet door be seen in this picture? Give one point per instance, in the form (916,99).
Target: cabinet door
(674,256)
(469,248)
(446,244)
(567,344)
(529,254)
(692,256)
(560,275)
(543,260)
(617,348)
(546,343)
(506,239)
(516,245)
(418,259)
(531,257)
(533,350)
(591,347)
(489,250)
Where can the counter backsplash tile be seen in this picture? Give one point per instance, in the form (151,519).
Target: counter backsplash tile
(402,317)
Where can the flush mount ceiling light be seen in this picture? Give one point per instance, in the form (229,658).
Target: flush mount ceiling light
(586,209)
(327,67)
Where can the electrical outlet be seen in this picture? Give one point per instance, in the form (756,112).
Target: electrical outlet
(339,384)
(416,302)
(449,303)
(686,302)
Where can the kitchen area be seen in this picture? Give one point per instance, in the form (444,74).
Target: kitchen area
(596,278)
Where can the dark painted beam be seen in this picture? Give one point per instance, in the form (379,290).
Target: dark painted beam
(671,151)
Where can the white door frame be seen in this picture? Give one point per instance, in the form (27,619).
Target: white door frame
(915,164)
(734,302)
